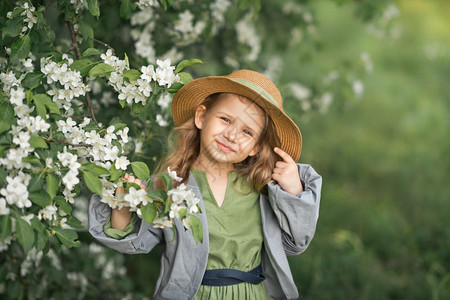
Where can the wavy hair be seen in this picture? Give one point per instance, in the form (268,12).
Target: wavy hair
(184,148)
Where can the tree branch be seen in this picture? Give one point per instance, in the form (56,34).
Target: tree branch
(78,55)
(103,44)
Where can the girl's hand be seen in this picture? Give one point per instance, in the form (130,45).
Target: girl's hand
(286,173)
(131,179)
(120,218)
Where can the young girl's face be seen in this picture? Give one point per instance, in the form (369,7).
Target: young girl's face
(230,131)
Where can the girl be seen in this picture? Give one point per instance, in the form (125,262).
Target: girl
(237,150)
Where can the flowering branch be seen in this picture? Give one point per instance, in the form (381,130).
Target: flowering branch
(78,55)
(102,43)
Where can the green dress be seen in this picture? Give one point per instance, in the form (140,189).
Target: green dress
(235,236)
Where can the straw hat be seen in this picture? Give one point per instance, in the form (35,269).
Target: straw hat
(250,84)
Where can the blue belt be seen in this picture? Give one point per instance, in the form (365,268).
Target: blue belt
(221,277)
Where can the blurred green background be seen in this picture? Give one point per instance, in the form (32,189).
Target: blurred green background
(384,226)
(384,229)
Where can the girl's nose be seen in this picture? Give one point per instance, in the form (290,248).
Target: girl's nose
(231,133)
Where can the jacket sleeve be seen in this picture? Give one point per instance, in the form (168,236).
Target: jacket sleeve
(142,240)
(297,215)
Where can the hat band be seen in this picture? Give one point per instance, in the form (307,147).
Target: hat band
(257,89)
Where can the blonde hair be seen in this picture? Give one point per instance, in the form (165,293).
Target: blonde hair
(184,148)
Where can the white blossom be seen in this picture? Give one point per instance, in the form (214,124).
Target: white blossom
(16,192)
(246,34)
(122,163)
(4,210)
(136,197)
(161,121)
(48,213)
(17,96)
(173,175)
(358,88)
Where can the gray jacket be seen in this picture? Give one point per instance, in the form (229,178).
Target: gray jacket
(289,223)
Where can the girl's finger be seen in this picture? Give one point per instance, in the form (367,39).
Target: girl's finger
(120,190)
(277,171)
(143,186)
(126,176)
(131,179)
(281,164)
(286,157)
(138,181)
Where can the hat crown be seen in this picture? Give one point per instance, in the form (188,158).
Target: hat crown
(262,81)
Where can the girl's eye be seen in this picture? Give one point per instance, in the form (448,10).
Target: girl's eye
(248,132)
(225,119)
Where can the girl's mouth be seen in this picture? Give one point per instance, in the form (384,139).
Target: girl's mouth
(224,147)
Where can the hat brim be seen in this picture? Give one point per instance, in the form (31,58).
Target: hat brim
(193,93)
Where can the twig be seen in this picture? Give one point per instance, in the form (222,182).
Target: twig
(67,143)
(78,54)
(103,44)
(47,4)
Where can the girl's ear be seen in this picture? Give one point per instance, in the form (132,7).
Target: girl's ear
(200,113)
(255,150)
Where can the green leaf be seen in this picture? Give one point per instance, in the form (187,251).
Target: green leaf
(194,223)
(17,11)
(20,48)
(158,195)
(93,8)
(256,8)
(43,102)
(119,126)
(91,52)
(129,185)
(114,173)
(13,27)
(52,185)
(101,69)
(149,212)
(40,198)
(36,183)
(3,175)
(5,228)
(86,31)
(175,87)
(33,160)
(62,204)
(32,80)
(185,77)
(187,63)
(40,107)
(41,238)
(4,126)
(167,180)
(137,108)
(132,74)
(7,112)
(84,65)
(55,242)
(37,142)
(123,103)
(24,233)
(2,152)
(97,170)
(141,170)
(74,222)
(127,8)
(67,237)
(127,61)
(244,4)
(92,182)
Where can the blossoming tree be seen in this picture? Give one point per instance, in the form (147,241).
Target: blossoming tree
(75,115)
